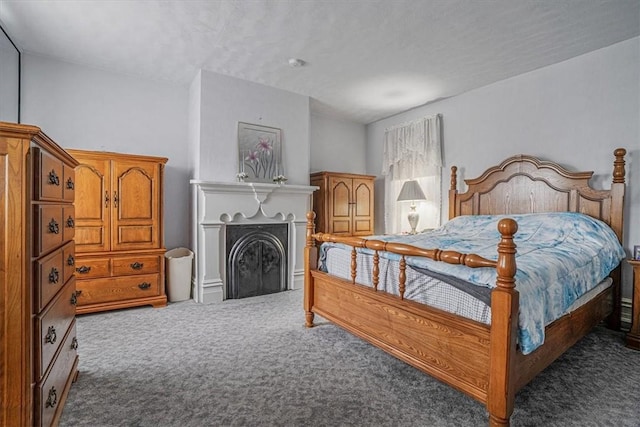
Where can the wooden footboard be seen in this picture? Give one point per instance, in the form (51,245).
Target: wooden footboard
(431,340)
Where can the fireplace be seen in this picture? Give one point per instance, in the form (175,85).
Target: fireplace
(256,259)
(219,208)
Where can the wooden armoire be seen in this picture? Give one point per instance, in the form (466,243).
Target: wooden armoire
(38,354)
(119,231)
(344,203)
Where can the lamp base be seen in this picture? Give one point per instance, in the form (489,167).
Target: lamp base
(413,219)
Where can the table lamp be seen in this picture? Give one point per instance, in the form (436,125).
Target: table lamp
(411,191)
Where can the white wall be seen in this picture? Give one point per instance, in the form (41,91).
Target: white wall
(90,109)
(337,145)
(195,101)
(9,79)
(575,112)
(225,101)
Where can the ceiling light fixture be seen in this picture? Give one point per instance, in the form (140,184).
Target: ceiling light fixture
(295,62)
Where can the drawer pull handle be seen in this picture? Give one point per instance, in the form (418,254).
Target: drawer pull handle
(106,199)
(71,260)
(74,343)
(83,269)
(74,298)
(137,265)
(144,285)
(115,199)
(70,184)
(53,178)
(51,335)
(52,399)
(54,227)
(70,222)
(54,275)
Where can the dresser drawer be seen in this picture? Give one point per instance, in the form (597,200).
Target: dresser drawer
(69,219)
(118,289)
(52,390)
(52,273)
(49,176)
(69,260)
(52,325)
(69,186)
(89,268)
(48,227)
(132,264)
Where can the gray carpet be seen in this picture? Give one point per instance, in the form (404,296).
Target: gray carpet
(251,362)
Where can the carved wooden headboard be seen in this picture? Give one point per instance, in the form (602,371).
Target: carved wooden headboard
(525,184)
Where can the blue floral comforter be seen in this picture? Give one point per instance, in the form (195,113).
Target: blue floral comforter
(560,256)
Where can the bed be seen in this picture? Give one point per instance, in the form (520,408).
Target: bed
(481,359)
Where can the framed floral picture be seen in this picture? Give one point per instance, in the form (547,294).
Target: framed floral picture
(259,153)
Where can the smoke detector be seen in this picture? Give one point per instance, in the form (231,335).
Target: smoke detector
(295,62)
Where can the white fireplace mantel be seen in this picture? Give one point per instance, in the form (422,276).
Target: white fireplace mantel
(216,204)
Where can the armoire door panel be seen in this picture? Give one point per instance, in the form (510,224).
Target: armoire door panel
(89,238)
(92,187)
(363,199)
(93,202)
(363,226)
(135,213)
(340,198)
(341,227)
(135,234)
(134,196)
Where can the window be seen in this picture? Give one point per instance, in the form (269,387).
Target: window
(413,151)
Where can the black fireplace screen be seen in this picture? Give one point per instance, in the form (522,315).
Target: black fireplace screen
(256,259)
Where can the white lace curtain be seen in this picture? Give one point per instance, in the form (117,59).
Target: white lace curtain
(413,151)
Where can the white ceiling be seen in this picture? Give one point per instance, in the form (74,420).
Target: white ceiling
(366,59)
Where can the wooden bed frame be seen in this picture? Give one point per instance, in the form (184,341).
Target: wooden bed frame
(480,360)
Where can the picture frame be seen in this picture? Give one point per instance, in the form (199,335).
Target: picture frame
(259,153)
(636,253)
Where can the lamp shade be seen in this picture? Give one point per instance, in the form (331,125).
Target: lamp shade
(411,191)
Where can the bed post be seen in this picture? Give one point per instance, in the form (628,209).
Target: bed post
(310,263)
(453,191)
(617,204)
(504,318)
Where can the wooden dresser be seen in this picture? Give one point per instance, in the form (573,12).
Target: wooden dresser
(344,203)
(119,231)
(38,358)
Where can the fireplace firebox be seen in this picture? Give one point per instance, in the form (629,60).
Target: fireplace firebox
(256,259)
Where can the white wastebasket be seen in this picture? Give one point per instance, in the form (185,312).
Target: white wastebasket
(179,261)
